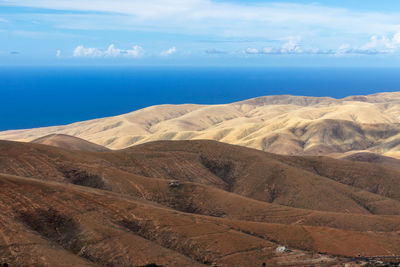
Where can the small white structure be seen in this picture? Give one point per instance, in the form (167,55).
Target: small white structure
(281,249)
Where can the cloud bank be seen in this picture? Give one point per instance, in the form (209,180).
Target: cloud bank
(253,27)
(377,45)
(112,51)
(221,18)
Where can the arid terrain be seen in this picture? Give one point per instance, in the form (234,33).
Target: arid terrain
(290,125)
(189,133)
(271,181)
(192,203)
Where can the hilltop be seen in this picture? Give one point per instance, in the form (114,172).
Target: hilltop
(291,125)
(69,142)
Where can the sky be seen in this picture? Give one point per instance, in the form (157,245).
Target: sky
(200,32)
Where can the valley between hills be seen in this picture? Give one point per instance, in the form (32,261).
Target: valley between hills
(280,181)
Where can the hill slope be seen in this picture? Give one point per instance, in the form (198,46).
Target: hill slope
(178,203)
(372,158)
(280,124)
(89,227)
(69,142)
(290,181)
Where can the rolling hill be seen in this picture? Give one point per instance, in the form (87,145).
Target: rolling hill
(69,142)
(291,125)
(180,203)
(372,158)
(291,181)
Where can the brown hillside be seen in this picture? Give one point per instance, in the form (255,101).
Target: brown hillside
(373,158)
(69,142)
(290,181)
(90,227)
(191,202)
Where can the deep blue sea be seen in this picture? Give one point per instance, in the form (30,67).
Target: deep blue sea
(44,96)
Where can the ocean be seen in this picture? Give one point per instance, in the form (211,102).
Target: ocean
(45,96)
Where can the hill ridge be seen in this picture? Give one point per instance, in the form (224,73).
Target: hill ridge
(69,142)
(192,203)
(292,125)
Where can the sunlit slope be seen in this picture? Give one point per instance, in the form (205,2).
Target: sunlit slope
(89,227)
(293,125)
(314,183)
(191,203)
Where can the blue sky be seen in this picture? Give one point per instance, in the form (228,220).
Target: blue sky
(200,32)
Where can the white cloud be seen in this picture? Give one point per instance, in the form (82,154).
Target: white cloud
(3,20)
(383,43)
(136,51)
(252,51)
(343,49)
(111,51)
(168,52)
(291,47)
(58,53)
(260,19)
(396,39)
(81,51)
(322,27)
(376,45)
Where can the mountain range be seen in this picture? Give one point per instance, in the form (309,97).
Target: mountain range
(281,181)
(290,125)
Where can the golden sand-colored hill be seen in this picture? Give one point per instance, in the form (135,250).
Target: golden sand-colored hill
(291,125)
(192,203)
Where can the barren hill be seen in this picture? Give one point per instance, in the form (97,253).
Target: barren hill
(85,227)
(69,142)
(290,181)
(292,125)
(180,203)
(372,158)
